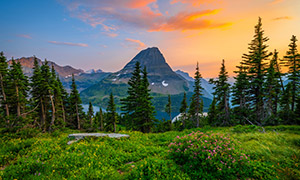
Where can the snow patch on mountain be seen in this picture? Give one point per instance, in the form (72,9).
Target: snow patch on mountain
(164,84)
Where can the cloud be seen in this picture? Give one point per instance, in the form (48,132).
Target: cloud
(276,1)
(190,21)
(135,43)
(68,44)
(24,36)
(193,2)
(115,14)
(283,18)
(110,34)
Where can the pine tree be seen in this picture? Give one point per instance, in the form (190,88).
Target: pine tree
(130,104)
(212,112)
(111,114)
(36,89)
(196,106)
(168,108)
(18,89)
(241,95)
(90,113)
(75,105)
(146,110)
(137,106)
(64,99)
(3,85)
(221,93)
(255,63)
(272,85)
(183,109)
(292,61)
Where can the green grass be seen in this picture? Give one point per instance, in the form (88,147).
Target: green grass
(145,156)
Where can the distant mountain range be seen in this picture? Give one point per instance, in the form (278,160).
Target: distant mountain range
(62,71)
(96,85)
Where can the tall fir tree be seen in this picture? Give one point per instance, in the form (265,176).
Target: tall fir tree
(90,114)
(221,93)
(4,86)
(101,120)
(183,109)
(212,114)
(292,61)
(168,108)
(272,86)
(146,110)
(130,104)
(75,105)
(18,91)
(196,106)
(255,62)
(112,118)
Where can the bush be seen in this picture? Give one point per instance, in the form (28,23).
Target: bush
(245,129)
(210,156)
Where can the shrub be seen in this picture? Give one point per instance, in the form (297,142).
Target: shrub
(210,156)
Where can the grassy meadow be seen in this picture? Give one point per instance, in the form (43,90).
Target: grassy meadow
(249,154)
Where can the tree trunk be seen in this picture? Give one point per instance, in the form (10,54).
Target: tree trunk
(63,113)
(77,116)
(43,118)
(53,113)
(4,98)
(18,102)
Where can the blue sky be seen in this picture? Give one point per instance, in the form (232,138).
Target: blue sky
(106,34)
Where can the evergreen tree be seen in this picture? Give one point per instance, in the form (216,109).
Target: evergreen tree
(36,89)
(111,114)
(272,86)
(137,106)
(18,89)
(90,114)
(221,93)
(168,108)
(212,112)
(3,85)
(75,105)
(146,109)
(255,63)
(241,95)
(292,61)
(130,103)
(196,106)
(46,92)
(183,109)
(61,96)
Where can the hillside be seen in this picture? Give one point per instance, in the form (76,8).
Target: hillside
(270,155)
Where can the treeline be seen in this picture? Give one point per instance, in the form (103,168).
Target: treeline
(258,97)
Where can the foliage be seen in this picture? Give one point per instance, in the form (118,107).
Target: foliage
(47,156)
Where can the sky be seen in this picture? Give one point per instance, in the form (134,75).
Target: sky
(107,34)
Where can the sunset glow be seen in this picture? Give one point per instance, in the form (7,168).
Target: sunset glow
(106,34)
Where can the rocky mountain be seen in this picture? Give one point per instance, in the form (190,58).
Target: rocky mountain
(63,71)
(163,81)
(161,77)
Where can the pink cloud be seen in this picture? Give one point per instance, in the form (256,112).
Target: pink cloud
(135,43)
(115,14)
(193,2)
(24,36)
(277,1)
(110,34)
(68,44)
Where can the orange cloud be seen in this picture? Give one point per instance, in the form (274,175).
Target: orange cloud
(193,2)
(189,21)
(277,1)
(138,3)
(136,43)
(283,18)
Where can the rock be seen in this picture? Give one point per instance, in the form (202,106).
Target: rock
(79,136)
